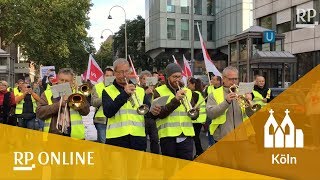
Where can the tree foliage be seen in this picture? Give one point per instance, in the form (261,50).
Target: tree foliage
(50,32)
(104,55)
(136,45)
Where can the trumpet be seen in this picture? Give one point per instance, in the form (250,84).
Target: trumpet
(85,89)
(76,101)
(244,102)
(142,108)
(192,112)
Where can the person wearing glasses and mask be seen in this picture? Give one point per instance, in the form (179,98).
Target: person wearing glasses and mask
(226,113)
(175,128)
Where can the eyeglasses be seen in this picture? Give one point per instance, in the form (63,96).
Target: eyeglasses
(232,79)
(123,72)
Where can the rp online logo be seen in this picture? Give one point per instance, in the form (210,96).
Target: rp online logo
(22,161)
(279,137)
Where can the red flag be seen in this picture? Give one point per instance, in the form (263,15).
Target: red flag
(187,69)
(134,70)
(176,62)
(210,67)
(94,72)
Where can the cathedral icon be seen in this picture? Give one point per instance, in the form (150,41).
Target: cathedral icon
(276,136)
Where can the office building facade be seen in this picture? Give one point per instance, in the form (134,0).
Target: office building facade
(170,25)
(285,17)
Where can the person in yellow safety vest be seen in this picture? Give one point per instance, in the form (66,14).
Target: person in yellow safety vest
(261,94)
(216,82)
(100,120)
(26,104)
(50,76)
(175,127)
(18,87)
(195,85)
(48,109)
(150,124)
(223,108)
(120,101)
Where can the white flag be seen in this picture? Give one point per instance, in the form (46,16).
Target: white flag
(94,72)
(210,67)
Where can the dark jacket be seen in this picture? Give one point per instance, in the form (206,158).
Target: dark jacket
(110,107)
(174,103)
(44,82)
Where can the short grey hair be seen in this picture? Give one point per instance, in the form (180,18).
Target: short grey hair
(228,69)
(119,61)
(66,71)
(145,72)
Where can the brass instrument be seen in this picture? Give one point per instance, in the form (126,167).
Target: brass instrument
(85,89)
(193,112)
(77,100)
(142,108)
(244,102)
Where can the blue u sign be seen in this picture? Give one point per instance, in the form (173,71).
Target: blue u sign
(269,37)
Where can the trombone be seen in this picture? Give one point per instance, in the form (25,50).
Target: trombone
(142,108)
(192,112)
(244,102)
(85,89)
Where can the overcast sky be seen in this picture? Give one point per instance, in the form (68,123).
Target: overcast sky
(99,16)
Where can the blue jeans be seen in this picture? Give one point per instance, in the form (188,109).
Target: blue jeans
(101,132)
(26,123)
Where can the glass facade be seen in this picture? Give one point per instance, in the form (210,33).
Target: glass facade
(184,29)
(210,31)
(243,50)
(184,7)
(284,27)
(266,22)
(233,52)
(211,7)
(171,28)
(198,7)
(196,34)
(170,6)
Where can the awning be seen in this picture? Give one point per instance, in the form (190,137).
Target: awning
(273,57)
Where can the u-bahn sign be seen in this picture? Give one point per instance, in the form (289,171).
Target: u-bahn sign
(269,37)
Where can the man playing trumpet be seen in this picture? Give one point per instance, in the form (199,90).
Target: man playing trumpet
(49,109)
(122,105)
(175,127)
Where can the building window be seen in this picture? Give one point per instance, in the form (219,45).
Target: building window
(243,49)
(210,30)
(196,34)
(284,27)
(233,52)
(184,29)
(171,28)
(184,7)
(198,7)
(210,7)
(170,6)
(266,22)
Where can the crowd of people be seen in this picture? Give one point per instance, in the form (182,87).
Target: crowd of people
(123,114)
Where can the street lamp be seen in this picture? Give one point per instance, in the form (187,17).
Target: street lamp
(125,28)
(112,40)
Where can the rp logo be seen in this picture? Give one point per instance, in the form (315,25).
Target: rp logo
(22,161)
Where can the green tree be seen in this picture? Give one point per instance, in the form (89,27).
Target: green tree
(136,45)
(104,55)
(50,32)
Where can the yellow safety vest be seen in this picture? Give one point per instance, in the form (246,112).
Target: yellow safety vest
(178,121)
(99,88)
(258,98)
(19,107)
(77,127)
(218,95)
(202,114)
(126,121)
(16,91)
